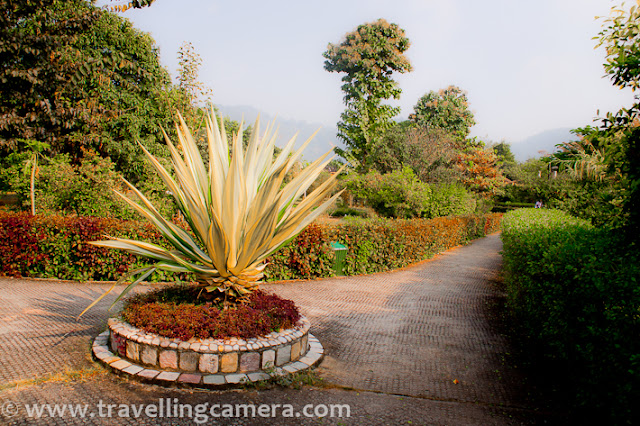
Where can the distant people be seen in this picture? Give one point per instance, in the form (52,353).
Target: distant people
(538,204)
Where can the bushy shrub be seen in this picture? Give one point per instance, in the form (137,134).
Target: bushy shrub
(574,290)
(351,211)
(174,312)
(397,194)
(85,189)
(448,200)
(307,256)
(400,194)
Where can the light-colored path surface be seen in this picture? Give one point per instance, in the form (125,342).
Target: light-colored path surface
(415,345)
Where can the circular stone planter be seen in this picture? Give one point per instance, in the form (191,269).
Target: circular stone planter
(210,363)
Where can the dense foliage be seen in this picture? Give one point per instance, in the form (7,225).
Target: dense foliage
(56,247)
(80,78)
(83,189)
(431,153)
(479,171)
(401,194)
(575,293)
(171,312)
(368,56)
(447,109)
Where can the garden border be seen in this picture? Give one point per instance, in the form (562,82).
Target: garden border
(205,363)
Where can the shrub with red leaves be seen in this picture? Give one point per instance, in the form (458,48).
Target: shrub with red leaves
(162,312)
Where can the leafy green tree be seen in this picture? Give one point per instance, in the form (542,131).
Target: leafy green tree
(38,70)
(368,57)
(429,153)
(504,153)
(79,78)
(447,109)
(618,140)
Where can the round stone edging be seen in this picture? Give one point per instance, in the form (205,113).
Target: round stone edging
(102,353)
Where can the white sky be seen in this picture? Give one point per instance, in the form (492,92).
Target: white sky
(528,66)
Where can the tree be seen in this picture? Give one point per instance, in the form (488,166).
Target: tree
(79,78)
(619,138)
(430,153)
(38,70)
(130,4)
(368,56)
(448,109)
(479,169)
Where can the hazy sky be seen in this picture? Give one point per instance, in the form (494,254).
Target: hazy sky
(528,66)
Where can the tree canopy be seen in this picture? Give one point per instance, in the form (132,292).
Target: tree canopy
(447,109)
(368,57)
(77,77)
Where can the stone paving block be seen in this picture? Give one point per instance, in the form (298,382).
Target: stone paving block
(120,365)
(229,362)
(258,377)
(299,366)
(214,379)
(168,359)
(148,374)
(149,355)
(111,359)
(208,363)
(250,361)
(268,359)
(193,379)
(133,369)
(283,355)
(169,376)
(290,368)
(235,378)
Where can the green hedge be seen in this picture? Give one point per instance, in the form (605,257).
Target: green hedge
(574,290)
(56,247)
(375,245)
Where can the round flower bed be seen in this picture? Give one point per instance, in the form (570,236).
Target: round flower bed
(164,341)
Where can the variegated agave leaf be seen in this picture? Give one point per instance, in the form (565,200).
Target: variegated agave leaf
(236,207)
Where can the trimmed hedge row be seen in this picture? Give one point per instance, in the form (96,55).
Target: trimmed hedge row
(575,294)
(376,245)
(56,247)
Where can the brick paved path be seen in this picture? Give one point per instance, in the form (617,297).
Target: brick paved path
(422,337)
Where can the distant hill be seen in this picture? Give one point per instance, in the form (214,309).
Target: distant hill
(545,141)
(321,143)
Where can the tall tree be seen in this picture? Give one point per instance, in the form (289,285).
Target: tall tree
(368,57)
(447,109)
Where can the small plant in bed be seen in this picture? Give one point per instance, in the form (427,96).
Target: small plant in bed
(177,312)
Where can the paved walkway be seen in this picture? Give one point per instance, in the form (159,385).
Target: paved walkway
(417,345)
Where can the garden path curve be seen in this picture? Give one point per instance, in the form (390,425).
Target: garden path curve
(424,339)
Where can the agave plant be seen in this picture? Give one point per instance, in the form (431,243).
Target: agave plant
(237,209)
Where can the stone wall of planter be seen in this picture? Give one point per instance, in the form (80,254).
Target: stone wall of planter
(206,361)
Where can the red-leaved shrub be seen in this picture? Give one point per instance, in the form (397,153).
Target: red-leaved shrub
(162,312)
